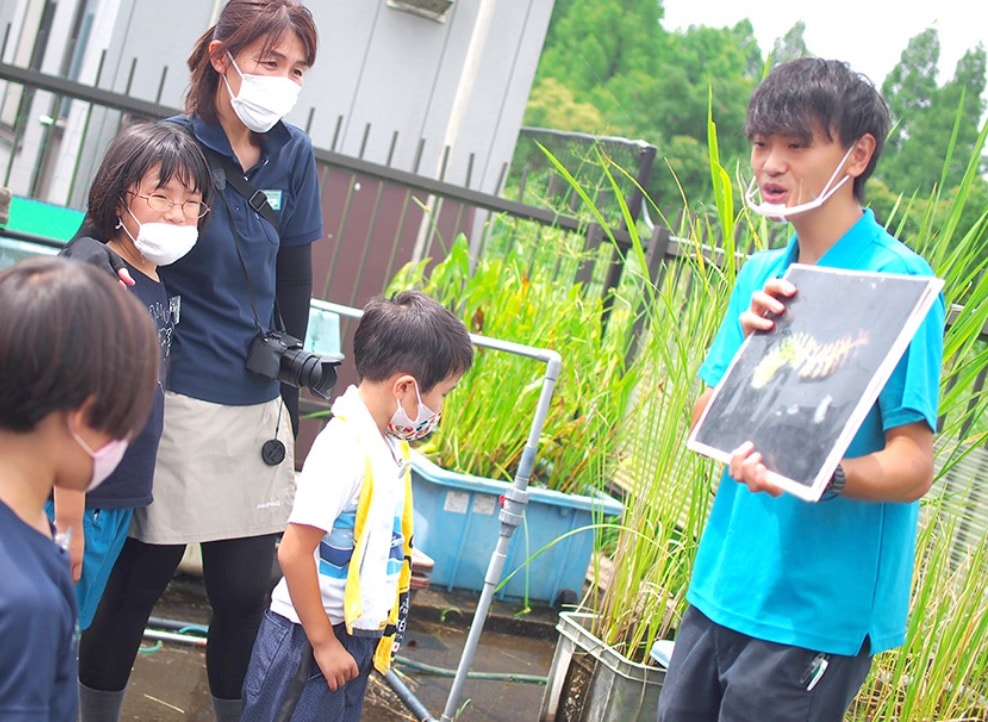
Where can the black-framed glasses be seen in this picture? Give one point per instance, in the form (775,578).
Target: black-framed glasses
(162,204)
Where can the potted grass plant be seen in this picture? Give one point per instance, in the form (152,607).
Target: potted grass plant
(602,669)
(465,467)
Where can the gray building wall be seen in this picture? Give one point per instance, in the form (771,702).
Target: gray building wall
(389,86)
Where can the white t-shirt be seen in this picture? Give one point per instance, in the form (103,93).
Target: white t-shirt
(326,498)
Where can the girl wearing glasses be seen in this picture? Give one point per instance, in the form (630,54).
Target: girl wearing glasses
(147,200)
(212,486)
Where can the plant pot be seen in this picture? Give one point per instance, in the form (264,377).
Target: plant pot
(457,524)
(589,681)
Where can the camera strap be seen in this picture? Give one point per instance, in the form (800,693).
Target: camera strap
(225,171)
(272,450)
(250,287)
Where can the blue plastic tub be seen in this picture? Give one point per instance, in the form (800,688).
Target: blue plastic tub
(456,523)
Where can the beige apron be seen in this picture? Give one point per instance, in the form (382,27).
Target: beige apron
(210,482)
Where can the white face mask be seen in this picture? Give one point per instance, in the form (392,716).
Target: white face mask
(782,212)
(162,243)
(404,428)
(263,99)
(105,459)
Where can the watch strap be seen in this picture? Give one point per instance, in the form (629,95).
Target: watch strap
(837,482)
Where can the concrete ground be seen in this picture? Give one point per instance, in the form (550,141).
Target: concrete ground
(169,684)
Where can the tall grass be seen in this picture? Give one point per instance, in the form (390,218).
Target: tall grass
(668,490)
(941,672)
(486,423)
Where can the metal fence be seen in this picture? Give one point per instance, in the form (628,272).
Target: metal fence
(377,217)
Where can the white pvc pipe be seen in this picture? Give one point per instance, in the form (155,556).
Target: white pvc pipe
(458,111)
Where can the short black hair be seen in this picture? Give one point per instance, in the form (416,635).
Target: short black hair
(69,333)
(131,154)
(804,94)
(410,333)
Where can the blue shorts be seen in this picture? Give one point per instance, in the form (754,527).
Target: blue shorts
(105,531)
(284,682)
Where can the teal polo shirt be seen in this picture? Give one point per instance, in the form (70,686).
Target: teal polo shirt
(823,576)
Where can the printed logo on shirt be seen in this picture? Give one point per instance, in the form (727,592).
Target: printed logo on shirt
(175,308)
(165,319)
(274,198)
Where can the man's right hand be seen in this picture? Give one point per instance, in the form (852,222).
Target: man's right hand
(766,306)
(747,468)
(91,251)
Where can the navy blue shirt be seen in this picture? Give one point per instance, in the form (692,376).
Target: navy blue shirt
(130,483)
(218,317)
(37,626)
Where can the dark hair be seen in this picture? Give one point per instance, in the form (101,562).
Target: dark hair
(69,333)
(803,94)
(410,333)
(241,23)
(133,152)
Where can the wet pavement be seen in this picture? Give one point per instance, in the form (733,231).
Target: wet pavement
(169,678)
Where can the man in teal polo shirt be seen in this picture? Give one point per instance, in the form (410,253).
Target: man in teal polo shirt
(789,600)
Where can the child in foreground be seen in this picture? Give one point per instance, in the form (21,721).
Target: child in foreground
(346,553)
(78,369)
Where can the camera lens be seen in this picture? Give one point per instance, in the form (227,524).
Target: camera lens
(309,370)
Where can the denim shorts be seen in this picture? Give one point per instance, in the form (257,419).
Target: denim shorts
(284,683)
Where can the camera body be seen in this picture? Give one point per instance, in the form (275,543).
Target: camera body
(279,355)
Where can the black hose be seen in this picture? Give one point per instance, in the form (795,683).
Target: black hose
(408,698)
(498,676)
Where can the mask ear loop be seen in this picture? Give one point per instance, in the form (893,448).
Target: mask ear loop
(840,166)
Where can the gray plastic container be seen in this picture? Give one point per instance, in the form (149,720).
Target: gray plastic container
(591,682)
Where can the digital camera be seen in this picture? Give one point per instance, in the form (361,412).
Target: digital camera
(278,355)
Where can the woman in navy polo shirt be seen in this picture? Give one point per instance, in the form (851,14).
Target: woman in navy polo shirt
(211,484)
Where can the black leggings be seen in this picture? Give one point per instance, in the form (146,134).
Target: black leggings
(237,573)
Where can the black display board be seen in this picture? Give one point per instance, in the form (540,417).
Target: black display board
(801,391)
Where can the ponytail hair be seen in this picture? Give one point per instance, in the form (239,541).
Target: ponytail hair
(240,24)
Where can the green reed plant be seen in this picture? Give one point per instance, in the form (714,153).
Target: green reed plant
(667,488)
(941,671)
(486,423)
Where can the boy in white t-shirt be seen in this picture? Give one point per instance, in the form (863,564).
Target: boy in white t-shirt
(346,554)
